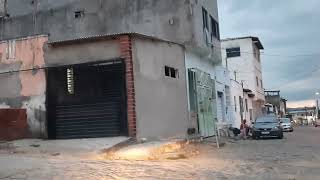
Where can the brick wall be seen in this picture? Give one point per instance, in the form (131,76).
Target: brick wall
(13,124)
(126,54)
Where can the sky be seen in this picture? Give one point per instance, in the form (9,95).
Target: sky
(290,33)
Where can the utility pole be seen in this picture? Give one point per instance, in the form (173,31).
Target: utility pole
(306,114)
(317,109)
(317,105)
(241,105)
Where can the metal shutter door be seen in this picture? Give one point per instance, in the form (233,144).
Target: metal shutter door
(97,109)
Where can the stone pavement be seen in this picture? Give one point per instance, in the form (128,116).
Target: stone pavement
(294,157)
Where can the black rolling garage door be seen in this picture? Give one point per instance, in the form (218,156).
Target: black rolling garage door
(87,101)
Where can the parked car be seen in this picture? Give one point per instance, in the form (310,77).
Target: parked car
(316,123)
(286,124)
(267,126)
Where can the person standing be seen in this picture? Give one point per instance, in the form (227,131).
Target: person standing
(244,129)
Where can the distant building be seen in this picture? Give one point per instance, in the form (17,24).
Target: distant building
(303,114)
(283,107)
(242,58)
(279,104)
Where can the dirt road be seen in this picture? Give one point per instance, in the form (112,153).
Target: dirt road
(297,156)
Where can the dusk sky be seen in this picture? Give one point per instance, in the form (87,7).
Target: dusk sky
(289,31)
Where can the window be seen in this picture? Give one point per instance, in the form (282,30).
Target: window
(233,52)
(78,14)
(205,19)
(241,104)
(11,49)
(214,28)
(241,107)
(235,75)
(251,114)
(246,101)
(171,72)
(261,83)
(228,98)
(192,90)
(70,81)
(235,104)
(2,8)
(206,32)
(257,80)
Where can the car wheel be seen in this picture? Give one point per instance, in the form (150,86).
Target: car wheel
(280,136)
(291,130)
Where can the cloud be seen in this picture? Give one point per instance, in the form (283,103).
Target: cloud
(286,28)
(303,103)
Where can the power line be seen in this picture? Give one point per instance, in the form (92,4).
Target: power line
(266,54)
(276,55)
(297,55)
(317,68)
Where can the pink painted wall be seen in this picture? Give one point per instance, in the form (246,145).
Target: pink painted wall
(29,53)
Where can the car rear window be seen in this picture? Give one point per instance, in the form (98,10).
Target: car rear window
(285,120)
(266,120)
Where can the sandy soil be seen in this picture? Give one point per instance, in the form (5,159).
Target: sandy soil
(297,156)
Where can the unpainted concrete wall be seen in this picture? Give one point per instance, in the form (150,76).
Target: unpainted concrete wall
(57,18)
(161,102)
(212,7)
(78,53)
(178,21)
(24,89)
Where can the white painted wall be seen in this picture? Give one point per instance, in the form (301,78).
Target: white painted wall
(245,69)
(247,66)
(219,73)
(237,91)
(222,81)
(194,61)
(246,114)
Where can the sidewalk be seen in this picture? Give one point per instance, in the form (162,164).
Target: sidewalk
(70,147)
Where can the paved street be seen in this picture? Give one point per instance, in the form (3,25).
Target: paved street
(297,156)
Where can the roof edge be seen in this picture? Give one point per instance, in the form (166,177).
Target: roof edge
(255,40)
(104,36)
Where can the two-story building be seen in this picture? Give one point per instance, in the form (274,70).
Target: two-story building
(242,58)
(208,81)
(108,68)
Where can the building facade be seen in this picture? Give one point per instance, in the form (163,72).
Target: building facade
(241,56)
(108,68)
(208,82)
(303,115)
(278,103)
